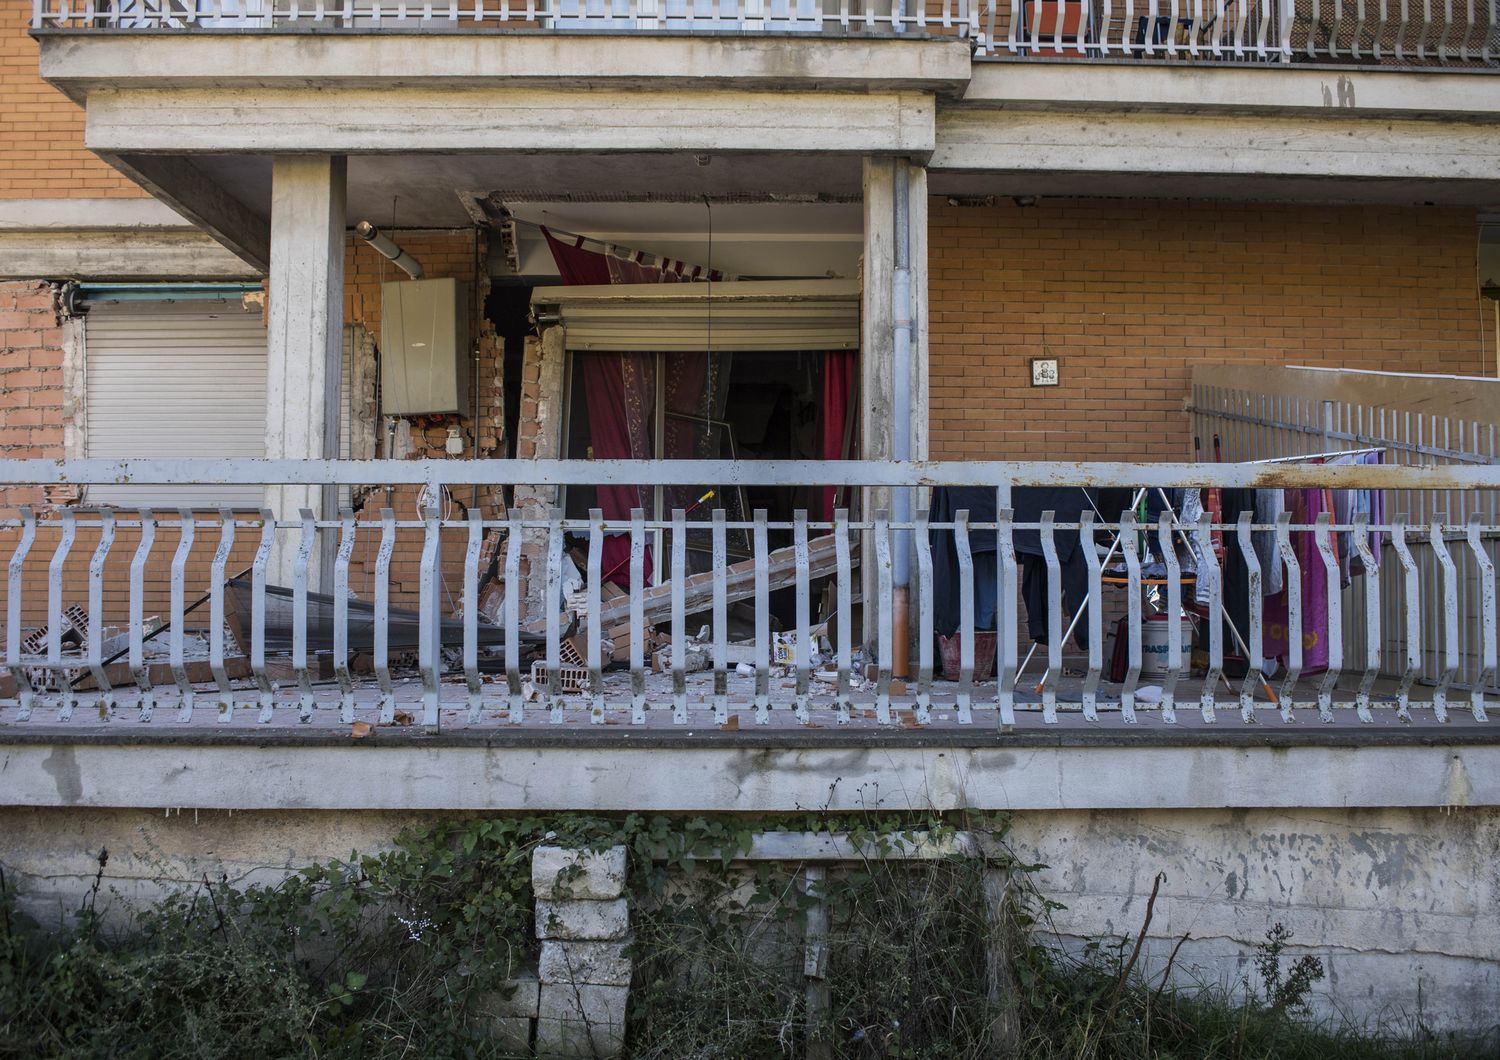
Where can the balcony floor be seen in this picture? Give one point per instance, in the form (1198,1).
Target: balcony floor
(574,722)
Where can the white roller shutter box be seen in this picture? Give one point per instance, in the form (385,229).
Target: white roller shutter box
(740,316)
(184,379)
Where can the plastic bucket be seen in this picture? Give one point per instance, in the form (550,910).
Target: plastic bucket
(1155,633)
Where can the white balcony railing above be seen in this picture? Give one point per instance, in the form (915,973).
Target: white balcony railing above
(79,570)
(1435,33)
(846,17)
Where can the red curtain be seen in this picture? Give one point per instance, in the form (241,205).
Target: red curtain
(620,392)
(576,265)
(838,379)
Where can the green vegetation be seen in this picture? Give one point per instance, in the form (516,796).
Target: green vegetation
(393,954)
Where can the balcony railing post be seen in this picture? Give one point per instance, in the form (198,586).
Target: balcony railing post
(258,615)
(217,572)
(1488,646)
(347,532)
(106,693)
(137,618)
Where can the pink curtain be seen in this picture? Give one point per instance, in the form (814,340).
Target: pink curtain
(838,379)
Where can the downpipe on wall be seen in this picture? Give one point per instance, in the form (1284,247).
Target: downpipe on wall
(901,314)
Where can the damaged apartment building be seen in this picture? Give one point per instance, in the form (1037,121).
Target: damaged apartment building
(1077,409)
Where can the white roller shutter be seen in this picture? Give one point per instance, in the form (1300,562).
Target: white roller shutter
(175,379)
(742,316)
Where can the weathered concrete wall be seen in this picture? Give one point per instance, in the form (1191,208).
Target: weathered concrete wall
(1402,906)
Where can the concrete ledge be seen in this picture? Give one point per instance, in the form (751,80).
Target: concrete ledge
(1267,89)
(136,253)
(616,775)
(368,120)
(83,215)
(78,63)
(1247,147)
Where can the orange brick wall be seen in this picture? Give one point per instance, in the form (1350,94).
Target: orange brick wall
(41,129)
(1130,294)
(31,380)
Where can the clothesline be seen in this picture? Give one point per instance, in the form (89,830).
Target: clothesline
(1317,456)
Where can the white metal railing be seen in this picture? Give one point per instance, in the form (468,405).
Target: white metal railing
(296,623)
(878,17)
(1245,424)
(1435,33)
(1353,32)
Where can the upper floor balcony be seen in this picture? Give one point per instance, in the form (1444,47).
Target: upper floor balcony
(1401,34)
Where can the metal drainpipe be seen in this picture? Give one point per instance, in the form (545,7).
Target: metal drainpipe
(901,313)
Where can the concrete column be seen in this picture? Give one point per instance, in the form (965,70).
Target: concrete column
(876,350)
(883,394)
(304,336)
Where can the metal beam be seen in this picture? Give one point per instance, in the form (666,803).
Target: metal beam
(742,473)
(184,187)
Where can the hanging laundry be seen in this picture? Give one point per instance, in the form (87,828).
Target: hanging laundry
(1269,504)
(1305,506)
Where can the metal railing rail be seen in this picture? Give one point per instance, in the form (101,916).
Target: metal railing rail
(192,532)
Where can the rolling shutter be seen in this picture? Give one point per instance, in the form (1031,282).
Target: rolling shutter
(743,316)
(183,379)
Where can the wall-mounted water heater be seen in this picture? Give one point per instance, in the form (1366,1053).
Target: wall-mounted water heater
(424,347)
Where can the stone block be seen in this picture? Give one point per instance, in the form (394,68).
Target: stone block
(582,920)
(594,963)
(581,1021)
(510,1035)
(559,873)
(523,993)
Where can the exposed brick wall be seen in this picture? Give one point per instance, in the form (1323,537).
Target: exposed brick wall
(443,255)
(42,130)
(31,380)
(1130,294)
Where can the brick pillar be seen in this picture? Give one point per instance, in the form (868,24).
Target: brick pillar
(538,437)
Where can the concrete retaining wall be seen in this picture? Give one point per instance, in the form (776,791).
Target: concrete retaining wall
(1403,906)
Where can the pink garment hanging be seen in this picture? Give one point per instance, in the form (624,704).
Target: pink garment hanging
(1305,505)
